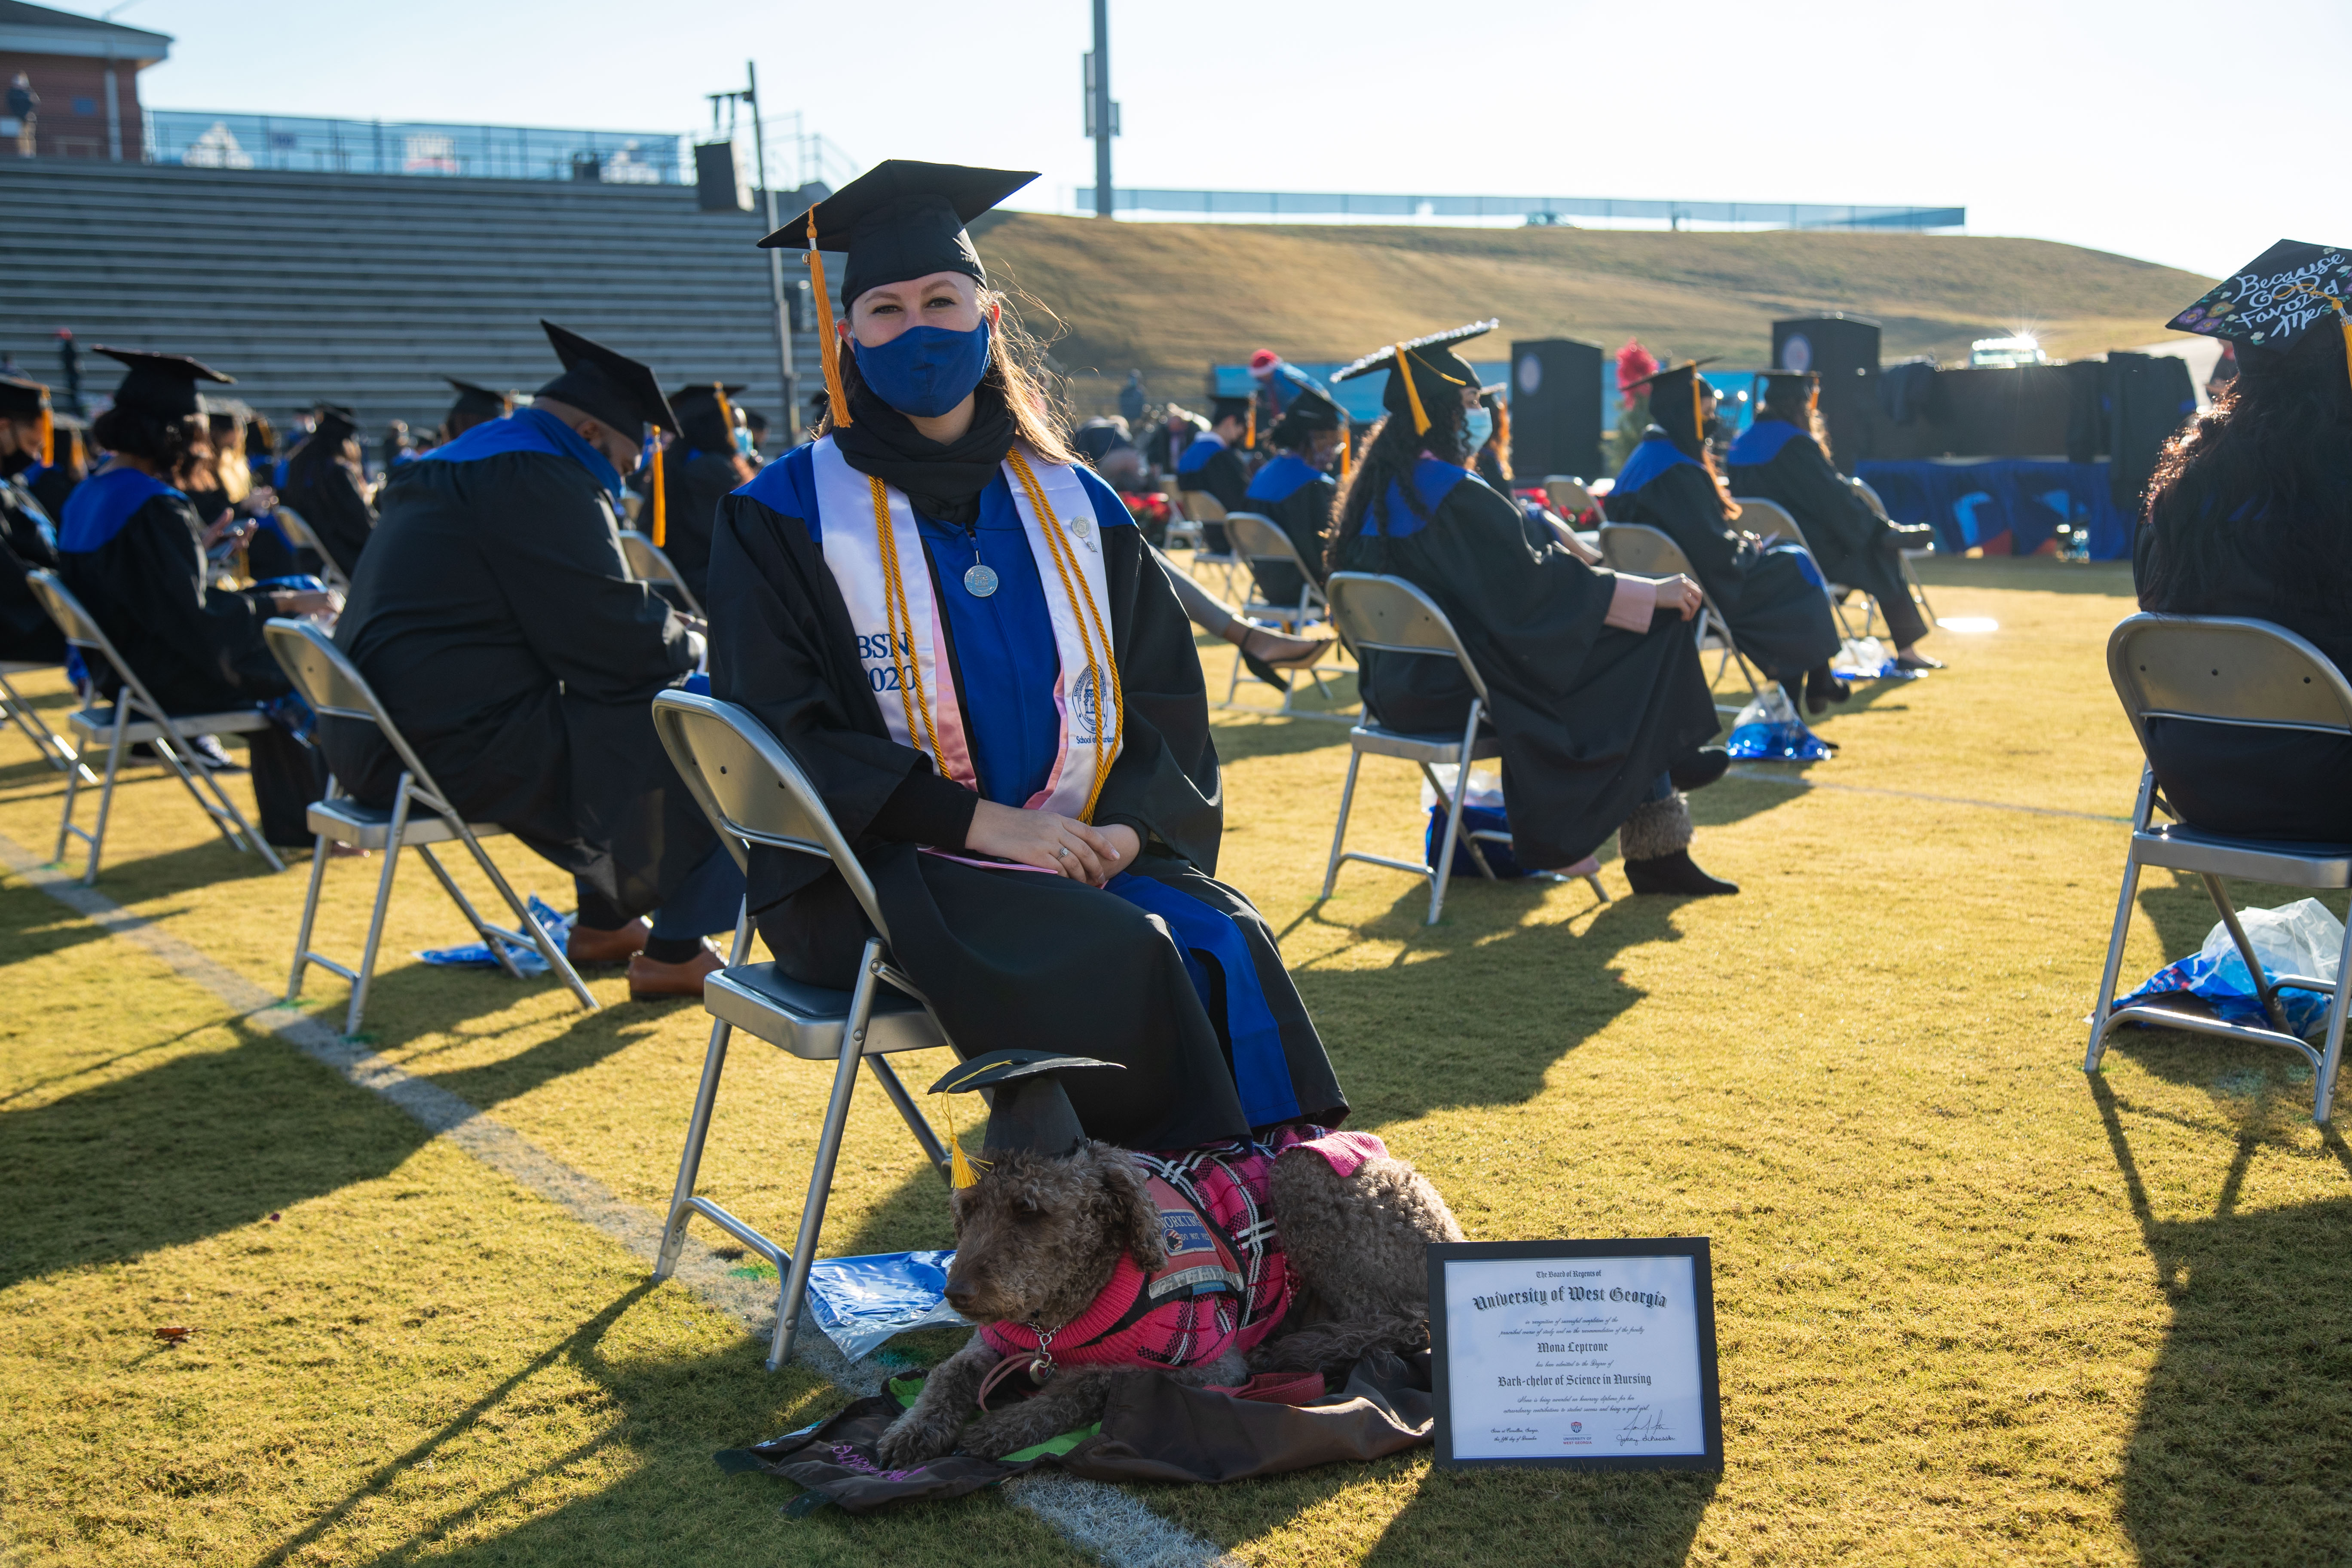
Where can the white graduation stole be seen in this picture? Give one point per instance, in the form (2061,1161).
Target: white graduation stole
(885,580)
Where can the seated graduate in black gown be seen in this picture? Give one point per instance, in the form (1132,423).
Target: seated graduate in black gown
(1784,457)
(1596,688)
(475,405)
(132,550)
(699,470)
(28,539)
(2249,513)
(1295,489)
(1213,463)
(1771,595)
(496,619)
(324,483)
(959,632)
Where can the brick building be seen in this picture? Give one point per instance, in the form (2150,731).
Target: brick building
(85,73)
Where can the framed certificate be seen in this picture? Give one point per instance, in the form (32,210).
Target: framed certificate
(1594,1355)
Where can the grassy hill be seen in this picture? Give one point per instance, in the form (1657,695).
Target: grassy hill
(1175,297)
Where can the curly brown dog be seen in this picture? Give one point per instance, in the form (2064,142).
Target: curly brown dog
(1040,1238)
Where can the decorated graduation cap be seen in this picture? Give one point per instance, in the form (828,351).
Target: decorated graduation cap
(899,220)
(1675,396)
(478,402)
(617,389)
(163,384)
(705,413)
(1029,1109)
(1434,375)
(2276,298)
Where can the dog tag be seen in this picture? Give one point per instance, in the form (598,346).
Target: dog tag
(979,580)
(1041,1369)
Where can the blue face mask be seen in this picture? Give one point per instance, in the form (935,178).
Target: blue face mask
(925,371)
(1477,425)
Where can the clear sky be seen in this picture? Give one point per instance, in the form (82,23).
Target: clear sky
(2190,134)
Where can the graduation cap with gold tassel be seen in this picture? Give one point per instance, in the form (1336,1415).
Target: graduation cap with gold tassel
(25,399)
(1029,1109)
(1432,371)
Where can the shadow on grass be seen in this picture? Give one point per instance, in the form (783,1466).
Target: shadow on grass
(2240,1449)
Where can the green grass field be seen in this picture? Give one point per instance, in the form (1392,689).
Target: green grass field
(1971,1306)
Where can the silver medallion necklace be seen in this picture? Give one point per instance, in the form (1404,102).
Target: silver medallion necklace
(980,577)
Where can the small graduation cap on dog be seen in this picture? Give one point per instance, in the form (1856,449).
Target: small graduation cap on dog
(478,402)
(1029,1109)
(2276,298)
(163,384)
(901,219)
(1431,367)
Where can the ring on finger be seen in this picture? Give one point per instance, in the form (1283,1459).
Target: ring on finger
(1062,852)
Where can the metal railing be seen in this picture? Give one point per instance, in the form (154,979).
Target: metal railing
(206,140)
(1535,209)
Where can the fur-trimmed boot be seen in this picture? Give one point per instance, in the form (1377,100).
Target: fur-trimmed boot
(1655,843)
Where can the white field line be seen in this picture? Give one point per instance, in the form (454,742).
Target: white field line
(1800,781)
(1095,1517)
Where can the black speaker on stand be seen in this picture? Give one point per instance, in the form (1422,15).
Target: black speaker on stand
(1555,401)
(1843,351)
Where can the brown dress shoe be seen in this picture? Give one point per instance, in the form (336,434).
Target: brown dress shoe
(651,980)
(588,945)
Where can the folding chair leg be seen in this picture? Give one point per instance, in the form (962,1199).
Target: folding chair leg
(795,1286)
(2115,942)
(689,1164)
(500,948)
(2262,986)
(1340,833)
(400,800)
(97,835)
(319,856)
(1453,818)
(55,749)
(538,933)
(916,1122)
(2323,1098)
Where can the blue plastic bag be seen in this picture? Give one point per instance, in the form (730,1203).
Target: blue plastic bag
(2302,938)
(861,1301)
(1768,729)
(527,960)
(1482,811)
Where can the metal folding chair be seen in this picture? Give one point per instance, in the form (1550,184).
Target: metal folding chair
(1200,507)
(755,793)
(55,749)
(1388,614)
(135,716)
(302,536)
(2224,670)
(1258,540)
(1640,551)
(333,686)
(1567,495)
(648,563)
(1764,517)
(1910,578)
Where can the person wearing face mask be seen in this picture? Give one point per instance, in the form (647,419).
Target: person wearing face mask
(1772,593)
(698,470)
(1595,688)
(497,620)
(957,631)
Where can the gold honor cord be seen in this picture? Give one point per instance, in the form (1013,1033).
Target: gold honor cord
(1082,610)
(908,664)
(836,401)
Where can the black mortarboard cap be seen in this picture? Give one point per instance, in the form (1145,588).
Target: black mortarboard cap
(162,383)
(903,219)
(1230,408)
(1674,403)
(336,422)
(1435,376)
(478,402)
(21,398)
(1029,1109)
(701,421)
(617,389)
(1310,412)
(2275,297)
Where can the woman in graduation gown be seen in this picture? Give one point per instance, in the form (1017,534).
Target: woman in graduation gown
(132,550)
(960,635)
(1784,457)
(2249,513)
(28,539)
(1595,685)
(323,484)
(1295,489)
(1778,611)
(698,471)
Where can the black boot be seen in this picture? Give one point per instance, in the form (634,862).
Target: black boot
(1822,689)
(1674,874)
(1699,769)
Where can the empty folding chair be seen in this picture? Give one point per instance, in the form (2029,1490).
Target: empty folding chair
(1388,614)
(55,749)
(301,536)
(1567,496)
(1257,539)
(135,716)
(649,562)
(755,793)
(2223,669)
(1200,507)
(1640,551)
(333,686)
(1767,517)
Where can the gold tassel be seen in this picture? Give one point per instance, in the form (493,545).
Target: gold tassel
(1503,428)
(1249,429)
(960,1171)
(1347,454)
(725,410)
(837,400)
(48,437)
(1412,393)
(661,511)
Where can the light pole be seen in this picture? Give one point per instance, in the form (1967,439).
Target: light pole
(1102,109)
(776,261)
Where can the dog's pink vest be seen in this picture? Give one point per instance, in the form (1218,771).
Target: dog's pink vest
(1225,1285)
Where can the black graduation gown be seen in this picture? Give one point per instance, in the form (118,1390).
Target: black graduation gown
(1222,476)
(493,617)
(319,487)
(53,487)
(695,484)
(1589,714)
(1850,542)
(1779,616)
(1304,515)
(27,542)
(1010,958)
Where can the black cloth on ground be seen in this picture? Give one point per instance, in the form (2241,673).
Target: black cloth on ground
(1851,543)
(1589,715)
(497,621)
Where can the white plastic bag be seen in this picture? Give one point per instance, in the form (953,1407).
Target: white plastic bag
(2301,938)
(1486,787)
